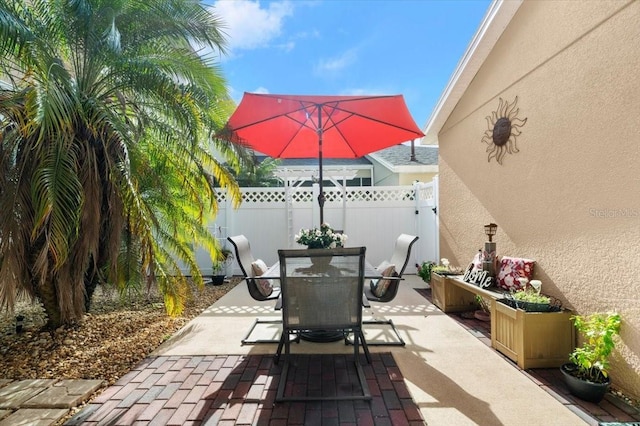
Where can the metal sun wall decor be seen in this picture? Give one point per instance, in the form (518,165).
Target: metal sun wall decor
(503,128)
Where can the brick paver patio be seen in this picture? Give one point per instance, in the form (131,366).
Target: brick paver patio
(240,390)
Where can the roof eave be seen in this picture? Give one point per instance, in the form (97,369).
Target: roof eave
(417,168)
(405,168)
(380,160)
(495,21)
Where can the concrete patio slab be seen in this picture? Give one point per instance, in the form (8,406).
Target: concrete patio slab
(34,417)
(64,394)
(15,394)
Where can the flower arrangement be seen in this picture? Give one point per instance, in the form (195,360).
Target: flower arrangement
(325,237)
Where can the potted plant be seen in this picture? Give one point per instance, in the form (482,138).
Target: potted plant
(324,237)
(529,300)
(586,375)
(424,271)
(223,259)
(445,268)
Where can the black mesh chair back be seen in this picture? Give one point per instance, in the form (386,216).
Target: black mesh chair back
(322,290)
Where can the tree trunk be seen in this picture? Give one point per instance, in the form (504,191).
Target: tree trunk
(90,285)
(48,296)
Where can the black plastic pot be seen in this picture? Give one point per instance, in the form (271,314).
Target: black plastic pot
(583,389)
(529,306)
(217,279)
(19,323)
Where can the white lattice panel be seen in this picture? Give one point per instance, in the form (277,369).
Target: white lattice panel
(302,195)
(384,194)
(263,197)
(425,193)
(333,196)
(221,196)
(360,194)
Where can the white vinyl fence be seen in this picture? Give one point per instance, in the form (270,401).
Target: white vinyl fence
(369,216)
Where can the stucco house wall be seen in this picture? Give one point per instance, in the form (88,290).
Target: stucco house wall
(570,198)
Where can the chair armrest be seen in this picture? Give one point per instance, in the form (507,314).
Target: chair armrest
(365,301)
(278,306)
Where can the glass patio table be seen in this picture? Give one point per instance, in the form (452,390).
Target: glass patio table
(306,268)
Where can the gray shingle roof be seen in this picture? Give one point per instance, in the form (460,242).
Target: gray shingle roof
(400,155)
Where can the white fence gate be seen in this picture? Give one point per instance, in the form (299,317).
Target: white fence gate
(428,246)
(369,216)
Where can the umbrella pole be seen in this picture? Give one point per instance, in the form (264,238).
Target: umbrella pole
(321,195)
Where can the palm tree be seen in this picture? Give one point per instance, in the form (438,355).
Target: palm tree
(107,112)
(255,173)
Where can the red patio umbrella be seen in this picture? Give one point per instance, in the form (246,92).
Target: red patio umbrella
(301,126)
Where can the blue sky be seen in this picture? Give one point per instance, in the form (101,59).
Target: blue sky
(351,47)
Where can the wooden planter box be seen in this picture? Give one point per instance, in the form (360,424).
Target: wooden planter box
(532,339)
(450,298)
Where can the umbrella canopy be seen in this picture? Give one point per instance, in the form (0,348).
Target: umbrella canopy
(300,126)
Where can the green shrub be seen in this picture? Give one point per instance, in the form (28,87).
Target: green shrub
(531,296)
(424,271)
(440,268)
(592,358)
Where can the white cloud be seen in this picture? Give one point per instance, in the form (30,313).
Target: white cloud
(338,63)
(247,25)
(288,46)
(362,91)
(237,96)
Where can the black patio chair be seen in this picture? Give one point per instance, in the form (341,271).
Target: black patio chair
(399,258)
(245,260)
(322,296)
